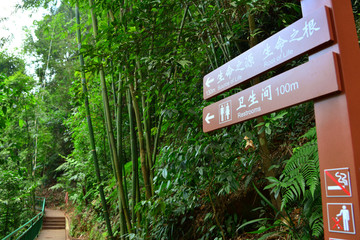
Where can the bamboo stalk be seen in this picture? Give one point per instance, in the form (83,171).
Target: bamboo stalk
(91,131)
(144,165)
(108,117)
(146,117)
(121,205)
(119,106)
(157,136)
(206,49)
(134,158)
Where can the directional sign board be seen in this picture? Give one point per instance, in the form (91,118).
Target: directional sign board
(305,82)
(298,38)
(337,182)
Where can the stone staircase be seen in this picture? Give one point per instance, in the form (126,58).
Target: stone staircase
(53,225)
(53,222)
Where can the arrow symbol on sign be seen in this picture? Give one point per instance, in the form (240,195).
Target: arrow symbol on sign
(208,81)
(209,117)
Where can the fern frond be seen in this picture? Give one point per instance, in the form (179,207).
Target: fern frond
(299,184)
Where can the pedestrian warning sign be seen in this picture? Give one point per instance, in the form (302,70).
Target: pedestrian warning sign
(337,182)
(341,218)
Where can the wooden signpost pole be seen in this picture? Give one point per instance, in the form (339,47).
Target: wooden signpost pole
(338,128)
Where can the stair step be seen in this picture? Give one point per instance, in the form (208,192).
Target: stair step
(53,227)
(54,223)
(63,220)
(53,218)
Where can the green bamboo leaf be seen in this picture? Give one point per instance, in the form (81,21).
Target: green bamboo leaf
(164,173)
(184,63)
(21,123)
(267,200)
(252,222)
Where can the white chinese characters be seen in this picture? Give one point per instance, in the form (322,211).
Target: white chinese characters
(310,27)
(266,95)
(241,103)
(252,99)
(220,77)
(267,51)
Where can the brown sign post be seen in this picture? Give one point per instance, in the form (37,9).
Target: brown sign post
(331,78)
(337,120)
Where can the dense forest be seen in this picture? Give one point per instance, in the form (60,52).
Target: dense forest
(113,118)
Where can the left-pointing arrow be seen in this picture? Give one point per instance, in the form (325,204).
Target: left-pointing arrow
(208,81)
(209,117)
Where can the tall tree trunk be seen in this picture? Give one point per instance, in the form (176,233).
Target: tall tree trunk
(264,147)
(108,120)
(91,131)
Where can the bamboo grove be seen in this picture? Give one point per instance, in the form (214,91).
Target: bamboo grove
(123,82)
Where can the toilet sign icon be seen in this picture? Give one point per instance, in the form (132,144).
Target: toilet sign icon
(341,218)
(225,112)
(337,182)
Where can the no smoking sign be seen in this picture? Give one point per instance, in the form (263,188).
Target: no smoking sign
(337,182)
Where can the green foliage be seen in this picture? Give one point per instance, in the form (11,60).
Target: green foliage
(15,201)
(10,64)
(53,47)
(193,169)
(164,48)
(299,187)
(18,132)
(271,121)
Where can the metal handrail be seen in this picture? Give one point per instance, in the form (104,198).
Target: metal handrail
(34,229)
